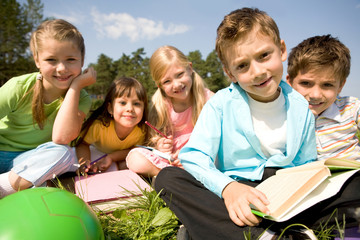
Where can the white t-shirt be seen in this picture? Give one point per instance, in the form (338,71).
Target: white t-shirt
(269,121)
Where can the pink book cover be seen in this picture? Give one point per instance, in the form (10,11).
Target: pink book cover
(109,186)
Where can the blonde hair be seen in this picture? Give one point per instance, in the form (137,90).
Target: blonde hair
(239,23)
(160,62)
(319,52)
(59,30)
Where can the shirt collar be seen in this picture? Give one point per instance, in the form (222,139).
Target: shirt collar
(331,112)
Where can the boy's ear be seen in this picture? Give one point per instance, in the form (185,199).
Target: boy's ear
(341,86)
(288,79)
(229,75)
(283,50)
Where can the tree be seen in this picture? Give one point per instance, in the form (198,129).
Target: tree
(105,74)
(136,66)
(198,63)
(16,24)
(215,77)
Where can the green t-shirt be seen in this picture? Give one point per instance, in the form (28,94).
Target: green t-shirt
(18,132)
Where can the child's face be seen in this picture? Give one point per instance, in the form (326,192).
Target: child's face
(177,82)
(320,88)
(59,63)
(127,111)
(255,63)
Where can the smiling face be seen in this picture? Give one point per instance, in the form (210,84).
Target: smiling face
(177,82)
(59,63)
(127,110)
(319,88)
(255,63)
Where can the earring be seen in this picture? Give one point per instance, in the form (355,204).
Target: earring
(39,77)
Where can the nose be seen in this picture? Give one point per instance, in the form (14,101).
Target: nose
(129,107)
(315,93)
(257,70)
(177,84)
(61,67)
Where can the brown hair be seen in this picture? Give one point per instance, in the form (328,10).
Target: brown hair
(237,24)
(59,30)
(318,52)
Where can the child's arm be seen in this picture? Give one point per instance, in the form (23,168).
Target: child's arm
(69,119)
(84,155)
(238,197)
(105,163)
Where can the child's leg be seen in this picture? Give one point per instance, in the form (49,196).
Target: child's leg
(201,211)
(45,162)
(138,163)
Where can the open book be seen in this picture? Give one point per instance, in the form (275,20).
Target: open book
(292,190)
(108,191)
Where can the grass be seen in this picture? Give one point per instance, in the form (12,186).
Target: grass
(148,218)
(145,218)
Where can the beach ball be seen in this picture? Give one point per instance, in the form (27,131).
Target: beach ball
(47,213)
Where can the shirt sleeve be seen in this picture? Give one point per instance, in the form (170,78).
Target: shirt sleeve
(84,102)
(10,95)
(199,155)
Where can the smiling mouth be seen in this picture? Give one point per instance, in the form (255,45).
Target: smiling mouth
(315,104)
(263,83)
(62,78)
(180,90)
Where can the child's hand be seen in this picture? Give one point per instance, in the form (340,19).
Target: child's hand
(176,162)
(165,145)
(102,165)
(85,79)
(84,166)
(238,197)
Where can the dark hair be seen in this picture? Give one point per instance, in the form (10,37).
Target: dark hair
(119,87)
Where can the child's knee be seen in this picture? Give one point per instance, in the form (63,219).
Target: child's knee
(135,161)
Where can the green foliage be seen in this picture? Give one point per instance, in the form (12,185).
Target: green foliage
(146,218)
(136,65)
(16,23)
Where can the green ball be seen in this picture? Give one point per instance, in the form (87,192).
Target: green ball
(47,213)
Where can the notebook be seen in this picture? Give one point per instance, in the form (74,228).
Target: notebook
(110,190)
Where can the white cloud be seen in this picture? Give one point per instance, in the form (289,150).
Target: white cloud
(74,18)
(116,25)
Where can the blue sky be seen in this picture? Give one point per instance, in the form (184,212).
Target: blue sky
(114,27)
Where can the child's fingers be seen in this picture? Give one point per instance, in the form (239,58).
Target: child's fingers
(260,201)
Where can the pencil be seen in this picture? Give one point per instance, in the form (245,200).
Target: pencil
(147,123)
(98,159)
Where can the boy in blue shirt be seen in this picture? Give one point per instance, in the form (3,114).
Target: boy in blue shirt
(243,135)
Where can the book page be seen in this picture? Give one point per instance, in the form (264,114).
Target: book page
(350,164)
(305,167)
(326,189)
(285,190)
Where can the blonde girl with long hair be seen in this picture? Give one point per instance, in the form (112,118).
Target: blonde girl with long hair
(42,112)
(176,105)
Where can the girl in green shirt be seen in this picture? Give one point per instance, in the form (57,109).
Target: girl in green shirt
(40,113)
